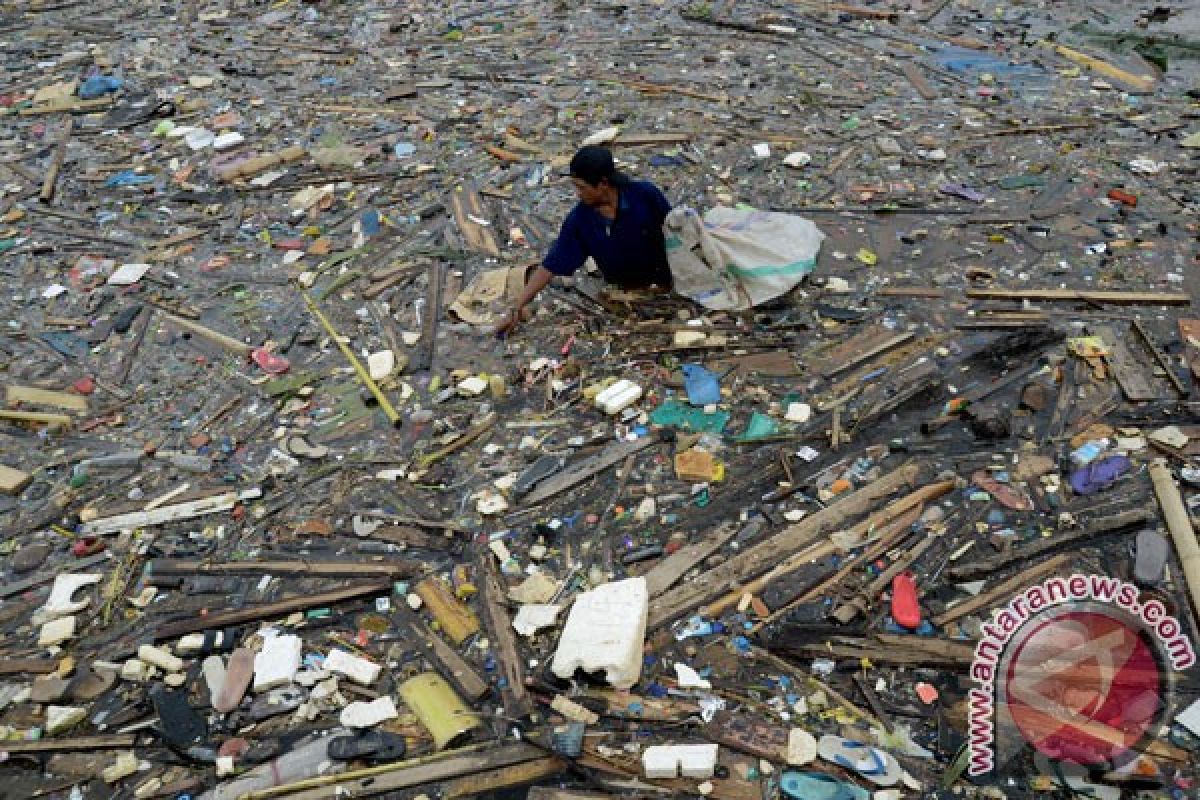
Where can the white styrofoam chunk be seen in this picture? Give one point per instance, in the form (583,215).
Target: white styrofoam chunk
(605,632)
(160,658)
(277,663)
(59,603)
(674,760)
(363,715)
(56,631)
(618,397)
(359,670)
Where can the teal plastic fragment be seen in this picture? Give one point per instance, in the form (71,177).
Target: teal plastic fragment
(674,414)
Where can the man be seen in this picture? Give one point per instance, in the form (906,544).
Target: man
(617,222)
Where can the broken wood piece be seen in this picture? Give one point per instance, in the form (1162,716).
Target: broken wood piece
(41,417)
(669,570)
(502,154)
(228,342)
(13,481)
(473,223)
(113,742)
(1179,523)
(404,774)
(1140,83)
(186,510)
(1002,591)
(488,781)
(258,164)
(29,395)
(50,182)
(861,601)
(1160,357)
(471,434)
(455,619)
(31,666)
(187,566)
(450,664)
(581,471)
(756,560)
(918,81)
(280,608)
(1083,296)
(518,704)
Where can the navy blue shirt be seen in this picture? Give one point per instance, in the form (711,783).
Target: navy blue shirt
(628,249)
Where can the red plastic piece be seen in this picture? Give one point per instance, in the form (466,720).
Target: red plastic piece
(906,610)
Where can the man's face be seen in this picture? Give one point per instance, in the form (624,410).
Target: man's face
(589,195)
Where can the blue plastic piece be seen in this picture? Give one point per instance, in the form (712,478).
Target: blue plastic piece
(703,388)
(128,178)
(98,86)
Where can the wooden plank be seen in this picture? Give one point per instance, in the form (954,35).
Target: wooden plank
(574,475)
(857,349)
(280,608)
(186,510)
(50,183)
(31,666)
(40,417)
(633,139)
(29,395)
(670,569)
(1189,334)
(918,81)
(1125,367)
(504,777)
(1159,357)
(500,632)
(465,203)
(452,666)
(760,558)
(1082,296)
(13,481)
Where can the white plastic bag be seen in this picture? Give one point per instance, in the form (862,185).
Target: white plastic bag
(731,259)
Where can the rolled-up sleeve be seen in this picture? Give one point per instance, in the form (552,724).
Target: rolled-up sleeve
(567,254)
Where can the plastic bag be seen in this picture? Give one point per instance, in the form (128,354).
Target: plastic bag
(734,259)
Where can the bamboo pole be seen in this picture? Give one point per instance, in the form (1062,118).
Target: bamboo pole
(1180,526)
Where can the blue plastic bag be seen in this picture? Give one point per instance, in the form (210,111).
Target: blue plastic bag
(98,86)
(703,388)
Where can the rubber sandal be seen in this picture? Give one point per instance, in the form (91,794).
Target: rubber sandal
(369,746)
(88,684)
(1099,475)
(138,110)
(877,766)
(179,724)
(238,674)
(1152,552)
(269,362)
(1005,495)
(906,609)
(275,702)
(818,786)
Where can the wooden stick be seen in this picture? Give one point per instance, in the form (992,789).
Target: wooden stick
(1024,578)
(484,783)
(1180,526)
(862,601)
(281,608)
(472,433)
(191,566)
(1076,295)
(504,642)
(60,155)
(114,742)
(228,342)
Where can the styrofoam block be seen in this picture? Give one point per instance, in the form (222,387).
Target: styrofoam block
(59,603)
(674,760)
(605,632)
(160,658)
(56,631)
(364,715)
(618,397)
(277,663)
(359,670)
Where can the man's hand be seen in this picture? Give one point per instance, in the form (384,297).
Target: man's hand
(510,323)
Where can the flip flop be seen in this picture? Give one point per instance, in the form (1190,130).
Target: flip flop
(906,609)
(1005,495)
(138,110)
(179,724)
(88,684)
(238,675)
(877,766)
(372,746)
(1152,552)
(269,362)
(818,786)
(1099,475)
